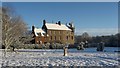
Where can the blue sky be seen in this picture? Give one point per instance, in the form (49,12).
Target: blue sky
(96,18)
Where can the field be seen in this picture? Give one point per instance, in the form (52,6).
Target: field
(88,57)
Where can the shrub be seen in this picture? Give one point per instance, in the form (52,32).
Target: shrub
(38,46)
(100,46)
(56,46)
(47,45)
(52,46)
(80,48)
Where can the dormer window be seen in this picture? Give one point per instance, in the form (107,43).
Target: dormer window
(38,33)
(43,33)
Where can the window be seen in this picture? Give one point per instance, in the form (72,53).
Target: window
(45,38)
(53,32)
(67,32)
(60,38)
(59,32)
(43,34)
(72,37)
(67,37)
(51,37)
(55,37)
(50,32)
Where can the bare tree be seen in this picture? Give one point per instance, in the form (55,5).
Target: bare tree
(13,27)
(0,27)
(85,36)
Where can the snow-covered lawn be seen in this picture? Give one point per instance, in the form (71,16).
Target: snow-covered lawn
(55,58)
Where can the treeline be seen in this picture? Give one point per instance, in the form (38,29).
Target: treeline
(109,41)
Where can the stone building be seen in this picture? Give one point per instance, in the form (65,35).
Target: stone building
(54,33)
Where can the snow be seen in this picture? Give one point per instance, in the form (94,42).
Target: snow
(57,26)
(38,30)
(55,57)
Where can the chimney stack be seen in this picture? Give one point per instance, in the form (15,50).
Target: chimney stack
(33,27)
(59,22)
(44,22)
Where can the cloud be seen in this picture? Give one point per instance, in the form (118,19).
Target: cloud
(97,31)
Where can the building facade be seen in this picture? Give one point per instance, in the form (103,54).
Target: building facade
(54,33)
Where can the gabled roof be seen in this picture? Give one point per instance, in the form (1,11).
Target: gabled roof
(56,26)
(38,30)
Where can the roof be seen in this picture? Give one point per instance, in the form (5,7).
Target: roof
(38,30)
(56,26)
